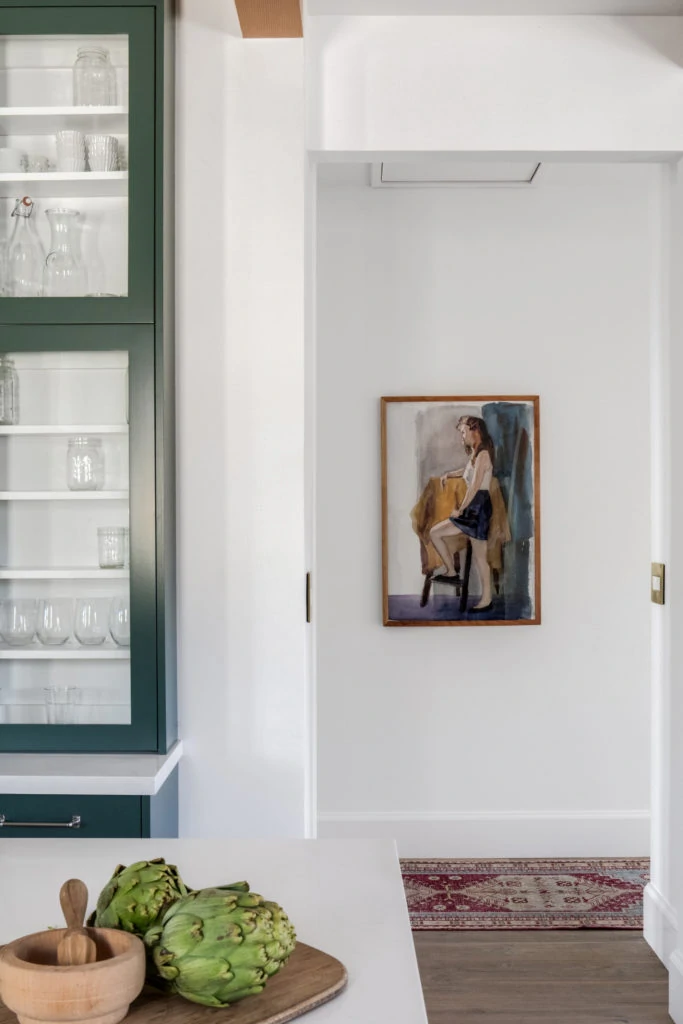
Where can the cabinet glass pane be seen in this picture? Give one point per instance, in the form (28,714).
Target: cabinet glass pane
(63,166)
(64,586)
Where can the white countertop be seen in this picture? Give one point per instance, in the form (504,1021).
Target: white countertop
(87,774)
(343,896)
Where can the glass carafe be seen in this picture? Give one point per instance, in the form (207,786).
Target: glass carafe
(25,253)
(94,78)
(64,273)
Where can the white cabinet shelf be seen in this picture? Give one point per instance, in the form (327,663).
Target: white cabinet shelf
(36,652)
(49,120)
(60,184)
(83,573)
(55,430)
(63,495)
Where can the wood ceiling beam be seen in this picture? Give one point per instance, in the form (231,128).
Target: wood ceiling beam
(270,19)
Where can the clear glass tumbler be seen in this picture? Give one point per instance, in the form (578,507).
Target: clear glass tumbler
(18,620)
(119,621)
(112,546)
(92,621)
(94,78)
(55,620)
(60,704)
(85,464)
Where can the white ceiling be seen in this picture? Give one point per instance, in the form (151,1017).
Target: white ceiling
(416,7)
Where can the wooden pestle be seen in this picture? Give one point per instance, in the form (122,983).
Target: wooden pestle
(76,947)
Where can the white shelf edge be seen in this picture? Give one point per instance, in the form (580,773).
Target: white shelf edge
(31,653)
(84,573)
(70,185)
(78,176)
(63,495)
(113,111)
(58,430)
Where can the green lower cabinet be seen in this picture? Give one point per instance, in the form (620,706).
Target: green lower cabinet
(92,817)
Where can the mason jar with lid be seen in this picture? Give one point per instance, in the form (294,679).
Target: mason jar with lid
(94,78)
(9,392)
(85,464)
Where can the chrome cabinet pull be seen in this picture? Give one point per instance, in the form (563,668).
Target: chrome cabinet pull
(74,823)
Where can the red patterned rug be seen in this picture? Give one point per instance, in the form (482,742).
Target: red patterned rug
(454,895)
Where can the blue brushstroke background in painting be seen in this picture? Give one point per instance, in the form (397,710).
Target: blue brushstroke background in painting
(511,428)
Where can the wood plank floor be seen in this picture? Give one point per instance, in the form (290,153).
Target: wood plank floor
(570,977)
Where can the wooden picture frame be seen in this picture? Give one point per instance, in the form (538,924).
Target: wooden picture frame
(447,529)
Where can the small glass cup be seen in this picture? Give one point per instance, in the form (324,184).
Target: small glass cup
(92,621)
(119,621)
(18,621)
(60,704)
(112,546)
(55,620)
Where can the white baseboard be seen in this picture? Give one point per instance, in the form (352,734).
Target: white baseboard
(676,986)
(497,833)
(660,923)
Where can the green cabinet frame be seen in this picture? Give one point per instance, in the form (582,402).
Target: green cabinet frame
(138,23)
(140,323)
(147,728)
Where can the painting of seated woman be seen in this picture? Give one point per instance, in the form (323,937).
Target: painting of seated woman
(461,511)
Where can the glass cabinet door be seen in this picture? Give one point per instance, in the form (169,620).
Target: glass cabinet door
(77,520)
(77,145)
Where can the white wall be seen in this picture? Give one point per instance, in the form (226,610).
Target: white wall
(240,369)
(512,741)
(607,84)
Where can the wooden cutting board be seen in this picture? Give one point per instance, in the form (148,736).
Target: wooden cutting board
(310,979)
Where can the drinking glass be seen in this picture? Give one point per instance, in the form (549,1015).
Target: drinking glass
(70,150)
(55,620)
(91,628)
(112,544)
(60,704)
(119,621)
(102,152)
(18,619)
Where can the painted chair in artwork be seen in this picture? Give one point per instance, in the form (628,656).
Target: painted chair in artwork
(436,503)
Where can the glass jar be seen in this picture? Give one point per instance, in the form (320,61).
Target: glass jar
(9,392)
(85,464)
(94,78)
(112,545)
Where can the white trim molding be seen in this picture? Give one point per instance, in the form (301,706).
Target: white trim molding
(497,833)
(660,923)
(676,986)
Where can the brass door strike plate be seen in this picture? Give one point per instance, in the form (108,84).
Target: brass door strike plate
(657,583)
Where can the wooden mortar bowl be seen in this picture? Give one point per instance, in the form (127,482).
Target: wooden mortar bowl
(40,992)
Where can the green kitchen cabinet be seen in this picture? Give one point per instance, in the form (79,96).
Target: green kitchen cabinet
(92,817)
(87,535)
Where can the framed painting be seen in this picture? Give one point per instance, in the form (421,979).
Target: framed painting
(461,541)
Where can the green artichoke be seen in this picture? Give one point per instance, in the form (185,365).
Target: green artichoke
(216,946)
(137,897)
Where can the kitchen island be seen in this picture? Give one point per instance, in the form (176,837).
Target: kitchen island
(344,897)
